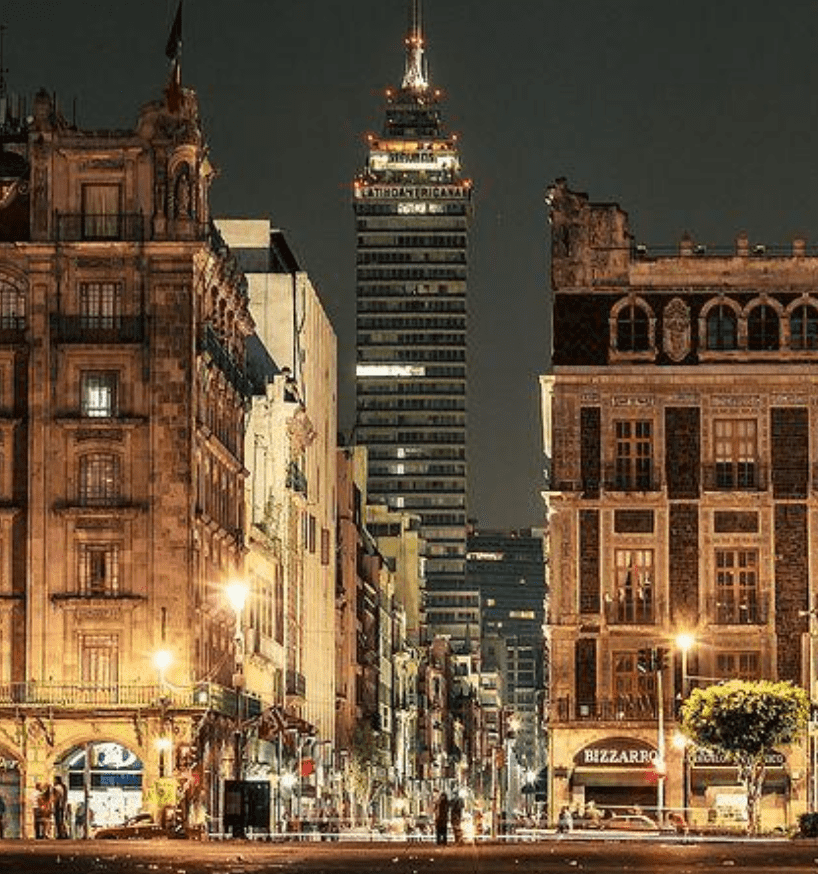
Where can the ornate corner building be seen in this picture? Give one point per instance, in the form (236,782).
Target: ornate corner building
(680,428)
(123,321)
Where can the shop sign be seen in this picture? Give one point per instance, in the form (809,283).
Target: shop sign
(618,751)
(708,757)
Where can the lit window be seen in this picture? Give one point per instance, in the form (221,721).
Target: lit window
(737,600)
(633,599)
(735,453)
(98,568)
(633,455)
(98,390)
(99,479)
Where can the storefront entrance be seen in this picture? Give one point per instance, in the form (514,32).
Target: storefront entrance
(617,774)
(10,795)
(106,779)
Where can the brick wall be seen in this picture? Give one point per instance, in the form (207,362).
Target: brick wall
(682,452)
(590,450)
(589,561)
(791,586)
(789,427)
(683,564)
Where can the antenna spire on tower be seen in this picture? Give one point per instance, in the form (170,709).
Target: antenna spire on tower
(414,75)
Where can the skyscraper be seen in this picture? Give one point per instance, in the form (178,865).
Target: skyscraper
(412,208)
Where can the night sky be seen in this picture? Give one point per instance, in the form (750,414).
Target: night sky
(698,116)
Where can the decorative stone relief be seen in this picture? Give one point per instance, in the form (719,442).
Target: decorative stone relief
(676,329)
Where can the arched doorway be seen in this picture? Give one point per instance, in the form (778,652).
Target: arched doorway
(104,777)
(10,794)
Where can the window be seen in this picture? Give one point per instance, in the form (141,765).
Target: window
(100,305)
(98,393)
(735,453)
(633,455)
(804,328)
(762,328)
(738,665)
(99,660)
(325,546)
(632,329)
(634,692)
(634,596)
(100,212)
(12,307)
(99,479)
(98,569)
(722,328)
(737,601)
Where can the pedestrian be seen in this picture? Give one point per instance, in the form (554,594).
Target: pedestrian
(42,810)
(59,798)
(456,814)
(565,822)
(442,819)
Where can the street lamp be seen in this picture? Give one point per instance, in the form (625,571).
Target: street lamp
(237,595)
(684,642)
(161,660)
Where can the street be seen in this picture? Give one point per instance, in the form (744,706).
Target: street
(543,857)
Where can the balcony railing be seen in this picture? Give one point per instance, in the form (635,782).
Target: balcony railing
(203,696)
(209,344)
(745,476)
(88,227)
(752,609)
(631,611)
(296,684)
(631,477)
(633,708)
(99,330)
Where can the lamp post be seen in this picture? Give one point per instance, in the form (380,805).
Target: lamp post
(683,745)
(684,643)
(237,595)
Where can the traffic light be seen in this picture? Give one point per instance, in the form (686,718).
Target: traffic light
(649,661)
(662,658)
(644,661)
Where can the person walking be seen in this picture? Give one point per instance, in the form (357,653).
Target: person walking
(442,819)
(59,798)
(456,813)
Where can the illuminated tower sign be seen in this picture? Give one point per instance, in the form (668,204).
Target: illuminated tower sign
(412,208)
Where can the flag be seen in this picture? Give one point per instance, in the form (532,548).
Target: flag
(175,36)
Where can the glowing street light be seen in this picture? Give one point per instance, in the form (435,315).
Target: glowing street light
(161,660)
(685,642)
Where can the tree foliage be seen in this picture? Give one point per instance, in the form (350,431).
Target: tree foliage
(745,720)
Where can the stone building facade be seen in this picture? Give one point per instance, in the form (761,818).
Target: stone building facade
(123,322)
(680,429)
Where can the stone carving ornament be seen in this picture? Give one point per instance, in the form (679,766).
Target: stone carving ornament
(676,329)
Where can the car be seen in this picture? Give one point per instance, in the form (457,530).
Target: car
(631,822)
(141,826)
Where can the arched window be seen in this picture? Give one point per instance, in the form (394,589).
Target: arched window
(804,327)
(763,328)
(632,329)
(99,479)
(722,331)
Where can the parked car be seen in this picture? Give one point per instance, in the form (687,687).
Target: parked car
(142,826)
(633,822)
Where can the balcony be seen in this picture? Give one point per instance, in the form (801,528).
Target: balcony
(98,330)
(74,696)
(211,347)
(296,479)
(630,611)
(296,684)
(89,227)
(618,477)
(631,708)
(745,476)
(752,609)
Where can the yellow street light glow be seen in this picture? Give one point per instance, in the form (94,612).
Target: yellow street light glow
(162,659)
(679,740)
(685,641)
(163,743)
(237,595)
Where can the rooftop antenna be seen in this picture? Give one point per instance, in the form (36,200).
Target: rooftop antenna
(414,76)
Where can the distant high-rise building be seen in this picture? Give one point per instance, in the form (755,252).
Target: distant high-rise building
(412,208)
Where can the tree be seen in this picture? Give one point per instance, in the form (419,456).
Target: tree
(745,720)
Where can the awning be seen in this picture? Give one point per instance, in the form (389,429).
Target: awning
(614,777)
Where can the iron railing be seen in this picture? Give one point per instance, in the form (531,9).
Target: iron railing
(99,330)
(296,683)
(88,227)
(631,707)
(209,344)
